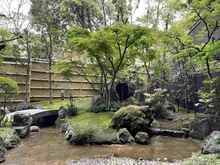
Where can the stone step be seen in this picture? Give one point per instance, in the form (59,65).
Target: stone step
(167,132)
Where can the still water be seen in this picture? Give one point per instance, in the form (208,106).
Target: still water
(49,147)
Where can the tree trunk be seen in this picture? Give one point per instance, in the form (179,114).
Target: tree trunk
(186,101)
(50,68)
(27,90)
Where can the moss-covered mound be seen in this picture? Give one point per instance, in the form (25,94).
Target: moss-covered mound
(134,118)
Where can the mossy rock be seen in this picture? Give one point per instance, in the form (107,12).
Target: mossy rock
(142,138)
(134,118)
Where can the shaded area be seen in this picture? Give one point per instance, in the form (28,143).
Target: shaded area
(49,147)
(41,118)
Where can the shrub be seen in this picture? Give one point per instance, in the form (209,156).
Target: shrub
(90,133)
(72,110)
(8,88)
(97,109)
(84,133)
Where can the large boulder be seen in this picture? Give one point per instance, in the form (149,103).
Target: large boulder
(22,106)
(134,118)
(22,119)
(203,125)
(21,123)
(22,131)
(142,138)
(96,101)
(124,136)
(209,145)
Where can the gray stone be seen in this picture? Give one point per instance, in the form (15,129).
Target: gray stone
(2,157)
(139,96)
(2,145)
(209,145)
(68,134)
(22,119)
(203,125)
(124,136)
(185,126)
(34,128)
(22,131)
(22,106)
(142,138)
(12,141)
(2,111)
(12,109)
(96,101)
(64,127)
(132,86)
(59,122)
(38,106)
(62,112)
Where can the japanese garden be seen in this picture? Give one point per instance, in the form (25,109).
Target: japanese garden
(115,82)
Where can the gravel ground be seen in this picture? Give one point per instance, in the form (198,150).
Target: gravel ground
(111,160)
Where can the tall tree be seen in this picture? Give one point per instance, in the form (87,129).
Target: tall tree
(46,19)
(107,49)
(199,44)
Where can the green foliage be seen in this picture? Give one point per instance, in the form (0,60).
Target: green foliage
(107,49)
(213,159)
(90,133)
(72,110)
(97,109)
(8,87)
(102,120)
(159,96)
(84,133)
(209,94)
(6,132)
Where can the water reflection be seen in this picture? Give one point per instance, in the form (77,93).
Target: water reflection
(49,148)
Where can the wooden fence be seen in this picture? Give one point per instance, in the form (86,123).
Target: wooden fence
(39,81)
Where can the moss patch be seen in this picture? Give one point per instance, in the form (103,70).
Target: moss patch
(103,119)
(82,103)
(213,159)
(6,131)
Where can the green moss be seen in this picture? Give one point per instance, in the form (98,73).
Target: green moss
(132,108)
(82,103)
(102,120)
(6,131)
(212,159)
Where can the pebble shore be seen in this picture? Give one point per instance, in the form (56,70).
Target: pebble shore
(111,160)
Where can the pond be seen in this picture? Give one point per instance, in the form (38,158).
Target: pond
(49,147)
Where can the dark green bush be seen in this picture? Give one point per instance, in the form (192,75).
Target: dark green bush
(97,109)
(72,110)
